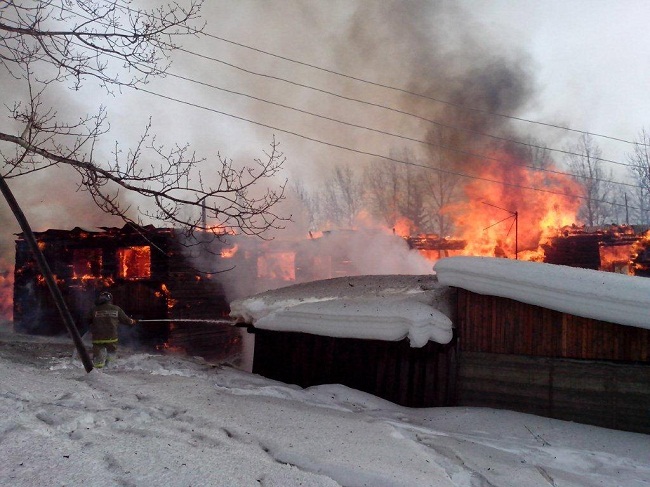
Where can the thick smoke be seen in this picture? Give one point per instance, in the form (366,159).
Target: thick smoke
(434,48)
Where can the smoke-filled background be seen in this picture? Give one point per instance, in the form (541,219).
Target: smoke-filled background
(478,67)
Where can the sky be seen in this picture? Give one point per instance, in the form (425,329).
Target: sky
(590,60)
(164,419)
(578,64)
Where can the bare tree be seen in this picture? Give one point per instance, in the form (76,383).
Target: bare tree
(598,191)
(640,173)
(384,188)
(444,186)
(342,198)
(535,152)
(399,190)
(113,44)
(310,203)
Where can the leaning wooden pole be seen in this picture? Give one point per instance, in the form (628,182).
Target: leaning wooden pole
(47,274)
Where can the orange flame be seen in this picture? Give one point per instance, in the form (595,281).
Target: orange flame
(277,266)
(501,220)
(403,227)
(6,291)
(229,253)
(87,264)
(134,262)
(164,291)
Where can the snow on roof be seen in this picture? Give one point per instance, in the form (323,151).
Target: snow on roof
(604,296)
(382,307)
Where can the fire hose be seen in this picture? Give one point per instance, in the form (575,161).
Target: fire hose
(188,320)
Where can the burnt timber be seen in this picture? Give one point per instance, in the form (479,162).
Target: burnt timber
(609,248)
(146,270)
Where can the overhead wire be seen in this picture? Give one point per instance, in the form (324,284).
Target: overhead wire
(375,130)
(390,87)
(372,154)
(376,105)
(403,137)
(397,110)
(412,93)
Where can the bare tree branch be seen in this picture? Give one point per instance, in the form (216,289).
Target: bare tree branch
(46,43)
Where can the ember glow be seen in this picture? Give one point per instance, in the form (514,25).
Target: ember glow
(277,266)
(164,291)
(134,262)
(6,291)
(87,264)
(229,253)
(640,255)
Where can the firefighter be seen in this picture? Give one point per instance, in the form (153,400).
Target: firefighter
(105,319)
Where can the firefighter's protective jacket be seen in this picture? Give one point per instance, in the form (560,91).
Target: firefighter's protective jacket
(105,320)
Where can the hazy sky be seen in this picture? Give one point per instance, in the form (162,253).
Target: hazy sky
(591,59)
(585,64)
(577,63)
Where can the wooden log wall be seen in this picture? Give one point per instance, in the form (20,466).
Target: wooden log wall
(499,325)
(416,377)
(530,359)
(607,394)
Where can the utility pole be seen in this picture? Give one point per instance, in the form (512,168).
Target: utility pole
(513,214)
(47,274)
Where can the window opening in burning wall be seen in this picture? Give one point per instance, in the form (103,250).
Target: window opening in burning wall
(134,262)
(86,263)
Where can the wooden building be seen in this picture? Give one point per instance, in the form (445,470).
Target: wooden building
(527,358)
(147,271)
(505,353)
(415,377)
(609,248)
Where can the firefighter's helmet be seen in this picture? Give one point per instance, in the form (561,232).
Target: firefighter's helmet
(104,297)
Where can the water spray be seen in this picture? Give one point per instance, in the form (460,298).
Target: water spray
(189,320)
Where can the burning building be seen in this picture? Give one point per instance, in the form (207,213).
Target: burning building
(144,268)
(613,248)
(159,274)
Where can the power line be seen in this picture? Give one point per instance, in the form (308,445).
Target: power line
(366,153)
(467,153)
(377,105)
(413,93)
(403,137)
(396,110)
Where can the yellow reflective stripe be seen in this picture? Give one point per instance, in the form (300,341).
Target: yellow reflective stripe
(102,342)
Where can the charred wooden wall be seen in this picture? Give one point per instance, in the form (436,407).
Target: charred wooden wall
(173,288)
(415,377)
(531,359)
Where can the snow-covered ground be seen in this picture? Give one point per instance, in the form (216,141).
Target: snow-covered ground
(173,421)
